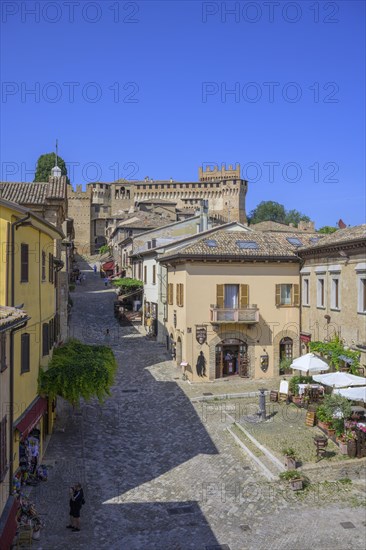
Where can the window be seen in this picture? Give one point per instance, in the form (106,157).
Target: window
(145,273)
(180,290)
(305,292)
(287,295)
(154,275)
(24,257)
(210,242)
(43,265)
(294,240)
(362,294)
(50,268)
(25,355)
(3,448)
(170,294)
(335,297)
(3,364)
(45,339)
(51,332)
(232,296)
(320,293)
(286,348)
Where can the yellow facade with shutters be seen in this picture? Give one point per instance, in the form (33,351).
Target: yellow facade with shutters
(27,279)
(248,314)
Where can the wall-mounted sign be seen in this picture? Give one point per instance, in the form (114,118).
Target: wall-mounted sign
(201,335)
(305,337)
(264,363)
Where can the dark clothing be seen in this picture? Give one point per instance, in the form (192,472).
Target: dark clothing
(76,502)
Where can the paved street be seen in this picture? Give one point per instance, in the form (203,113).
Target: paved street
(159,473)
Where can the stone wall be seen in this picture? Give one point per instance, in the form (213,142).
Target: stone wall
(79,208)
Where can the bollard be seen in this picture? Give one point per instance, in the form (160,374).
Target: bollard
(262,404)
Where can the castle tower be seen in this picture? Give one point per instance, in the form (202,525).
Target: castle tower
(79,208)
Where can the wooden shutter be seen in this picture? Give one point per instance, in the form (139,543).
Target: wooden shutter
(181,290)
(45,339)
(295,295)
(278,295)
(3,448)
(170,294)
(154,274)
(244,296)
(24,254)
(24,366)
(177,294)
(43,266)
(50,267)
(3,364)
(145,274)
(220,296)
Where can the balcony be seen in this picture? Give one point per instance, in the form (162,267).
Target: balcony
(248,315)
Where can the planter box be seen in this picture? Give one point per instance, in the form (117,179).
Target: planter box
(296,484)
(290,463)
(343,448)
(323,425)
(352,448)
(330,432)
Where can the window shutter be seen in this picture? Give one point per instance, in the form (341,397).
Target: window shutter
(3,448)
(177,295)
(295,295)
(25,353)
(3,364)
(170,294)
(278,295)
(145,274)
(220,296)
(45,339)
(24,253)
(244,296)
(181,295)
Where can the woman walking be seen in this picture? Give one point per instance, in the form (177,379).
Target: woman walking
(76,502)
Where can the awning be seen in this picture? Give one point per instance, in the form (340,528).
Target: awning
(31,417)
(108,266)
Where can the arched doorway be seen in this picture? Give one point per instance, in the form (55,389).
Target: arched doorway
(179,351)
(232,358)
(286,348)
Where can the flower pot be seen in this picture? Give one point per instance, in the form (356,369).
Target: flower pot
(323,425)
(351,448)
(330,432)
(343,448)
(296,484)
(290,463)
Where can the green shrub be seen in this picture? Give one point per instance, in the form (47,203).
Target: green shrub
(71,287)
(290,474)
(298,379)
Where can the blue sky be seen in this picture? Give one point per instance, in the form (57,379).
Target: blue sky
(135,89)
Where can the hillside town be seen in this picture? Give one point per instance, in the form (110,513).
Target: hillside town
(214,418)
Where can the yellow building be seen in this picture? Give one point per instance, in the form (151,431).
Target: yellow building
(28,278)
(233,303)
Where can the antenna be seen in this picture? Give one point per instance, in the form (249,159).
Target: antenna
(56,151)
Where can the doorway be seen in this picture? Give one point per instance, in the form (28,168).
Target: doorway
(232,358)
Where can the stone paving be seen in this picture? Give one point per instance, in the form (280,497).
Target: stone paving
(163,473)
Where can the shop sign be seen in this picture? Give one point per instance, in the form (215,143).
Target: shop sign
(264,363)
(305,337)
(201,335)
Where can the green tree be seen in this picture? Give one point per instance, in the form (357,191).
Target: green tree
(327,229)
(77,371)
(45,163)
(294,216)
(268,211)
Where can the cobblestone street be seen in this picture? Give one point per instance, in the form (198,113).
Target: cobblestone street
(160,474)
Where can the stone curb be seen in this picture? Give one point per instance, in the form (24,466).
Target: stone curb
(261,467)
(223,396)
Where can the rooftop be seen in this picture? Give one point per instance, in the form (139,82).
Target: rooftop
(33,192)
(347,235)
(275,226)
(10,316)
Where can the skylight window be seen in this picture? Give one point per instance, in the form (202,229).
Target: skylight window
(295,241)
(247,244)
(314,239)
(211,243)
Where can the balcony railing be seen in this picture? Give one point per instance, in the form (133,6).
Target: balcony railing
(247,315)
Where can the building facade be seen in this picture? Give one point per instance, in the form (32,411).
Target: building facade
(333,290)
(233,303)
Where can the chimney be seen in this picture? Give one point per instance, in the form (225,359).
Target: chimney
(204,215)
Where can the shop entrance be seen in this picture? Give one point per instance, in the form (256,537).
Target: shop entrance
(232,358)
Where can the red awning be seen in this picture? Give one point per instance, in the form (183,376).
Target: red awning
(108,266)
(32,417)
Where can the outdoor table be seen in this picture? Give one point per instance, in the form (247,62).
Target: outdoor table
(358,408)
(310,386)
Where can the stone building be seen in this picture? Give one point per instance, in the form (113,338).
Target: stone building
(333,281)
(222,188)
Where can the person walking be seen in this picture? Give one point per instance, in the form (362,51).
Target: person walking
(106,281)
(95,269)
(76,502)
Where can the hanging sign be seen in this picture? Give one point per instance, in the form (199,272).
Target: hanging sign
(201,335)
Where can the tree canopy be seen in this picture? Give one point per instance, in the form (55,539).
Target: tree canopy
(275,212)
(77,371)
(327,229)
(45,163)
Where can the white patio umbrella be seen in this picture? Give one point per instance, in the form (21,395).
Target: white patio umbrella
(354,394)
(309,363)
(340,379)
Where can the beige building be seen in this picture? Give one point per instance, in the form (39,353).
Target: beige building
(233,303)
(333,293)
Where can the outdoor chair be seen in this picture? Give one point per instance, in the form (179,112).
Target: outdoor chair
(24,538)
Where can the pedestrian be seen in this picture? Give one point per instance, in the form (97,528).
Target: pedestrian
(84,277)
(78,280)
(107,335)
(76,502)
(95,268)
(106,281)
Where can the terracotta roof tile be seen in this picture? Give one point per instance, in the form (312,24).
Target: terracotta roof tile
(10,315)
(358,232)
(33,192)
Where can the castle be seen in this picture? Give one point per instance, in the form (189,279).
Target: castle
(222,188)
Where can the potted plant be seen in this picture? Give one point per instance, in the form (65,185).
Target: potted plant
(322,418)
(290,458)
(295,478)
(342,441)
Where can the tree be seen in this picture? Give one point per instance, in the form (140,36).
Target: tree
(294,216)
(268,211)
(275,212)
(45,163)
(327,229)
(77,371)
